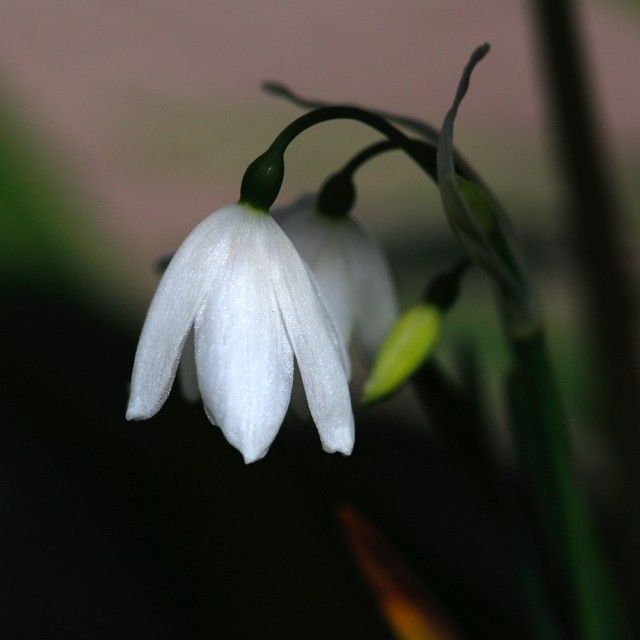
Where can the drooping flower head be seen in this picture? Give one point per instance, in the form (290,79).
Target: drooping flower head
(239,284)
(240,298)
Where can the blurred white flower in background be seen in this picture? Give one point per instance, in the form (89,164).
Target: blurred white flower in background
(350,270)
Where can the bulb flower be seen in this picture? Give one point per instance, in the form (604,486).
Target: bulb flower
(238,284)
(350,270)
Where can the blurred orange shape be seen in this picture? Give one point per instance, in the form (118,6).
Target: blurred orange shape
(403,600)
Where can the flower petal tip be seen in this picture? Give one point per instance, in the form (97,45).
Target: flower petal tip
(139,408)
(136,413)
(343,445)
(252,455)
(344,452)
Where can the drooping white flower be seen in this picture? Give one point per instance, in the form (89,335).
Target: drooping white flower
(239,284)
(350,270)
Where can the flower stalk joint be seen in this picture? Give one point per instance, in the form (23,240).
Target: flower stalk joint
(443,290)
(337,196)
(262,180)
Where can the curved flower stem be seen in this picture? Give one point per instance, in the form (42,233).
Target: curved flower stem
(279,89)
(263,178)
(362,157)
(423,129)
(424,154)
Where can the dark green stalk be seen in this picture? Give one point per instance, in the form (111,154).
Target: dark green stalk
(424,154)
(442,291)
(367,154)
(543,557)
(542,436)
(423,129)
(263,178)
(595,226)
(279,89)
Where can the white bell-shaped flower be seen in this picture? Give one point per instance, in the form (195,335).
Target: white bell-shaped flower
(350,270)
(239,284)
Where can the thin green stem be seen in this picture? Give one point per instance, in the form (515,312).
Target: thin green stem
(281,90)
(263,178)
(367,154)
(423,129)
(443,289)
(424,154)
(545,451)
(596,226)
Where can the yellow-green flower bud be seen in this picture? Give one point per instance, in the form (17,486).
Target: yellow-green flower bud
(409,343)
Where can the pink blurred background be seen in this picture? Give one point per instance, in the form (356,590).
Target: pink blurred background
(155,108)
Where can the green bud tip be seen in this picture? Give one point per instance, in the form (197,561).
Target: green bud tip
(262,181)
(409,343)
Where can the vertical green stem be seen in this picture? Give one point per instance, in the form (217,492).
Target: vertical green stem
(557,495)
(596,227)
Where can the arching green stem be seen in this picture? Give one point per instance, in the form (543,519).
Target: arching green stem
(368,153)
(263,178)
(420,127)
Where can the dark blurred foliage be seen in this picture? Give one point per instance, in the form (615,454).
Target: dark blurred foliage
(158,530)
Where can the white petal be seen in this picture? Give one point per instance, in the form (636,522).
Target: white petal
(321,243)
(317,356)
(334,279)
(303,226)
(187,376)
(341,346)
(287,214)
(243,356)
(173,309)
(375,301)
